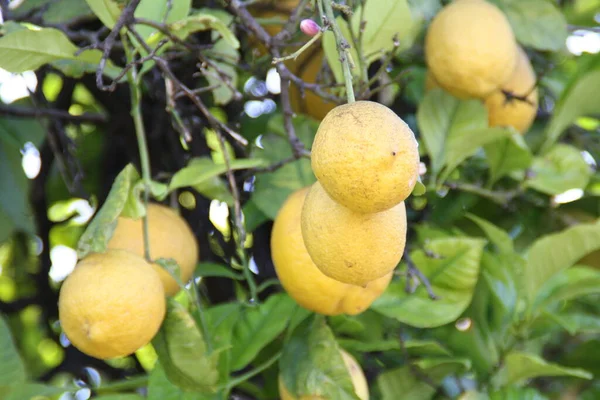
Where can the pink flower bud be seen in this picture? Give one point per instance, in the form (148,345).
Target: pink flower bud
(309,27)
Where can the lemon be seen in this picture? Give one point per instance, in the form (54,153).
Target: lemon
(170,237)
(470,48)
(112,304)
(352,247)
(301,278)
(361,387)
(365,157)
(515,112)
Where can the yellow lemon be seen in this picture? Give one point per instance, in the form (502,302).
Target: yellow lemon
(112,304)
(470,48)
(365,157)
(170,237)
(352,247)
(361,387)
(515,112)
(301,278)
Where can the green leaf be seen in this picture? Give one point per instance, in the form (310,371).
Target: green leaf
(579,323)
(553,253)
(453,277)
(222,319)
(516,393)
(120,396)
(497,236)
(560,169)
(63,11)
(501,274)
(403,381)
(161,388)
(203,169)
(29,49)
(580,99)
(86,63)
(12,369)
(156,10)
(536,23)
(332,55)
(507,155)
(569,284)
(100,230)
(259,326)
(207,269)
(107,11)
(439,367)
(253,217)
(311,363)
(181,351)
(38,391)
(203,22)
(521,366)
(384,20)
(223,50)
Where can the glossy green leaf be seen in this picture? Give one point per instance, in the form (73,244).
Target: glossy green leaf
(223,50)
(181,351)
(402,381)
(222,319)
(501,274)
(522,366)
(453,275)
(580,99)
(107,11)
(569,284)
(100,230)
(12,369)
(207,269)
(556,252)
(259,326)
(560,169)
(536,23)
(203,22)
(161,388)
(497,236)
(312,365)
(507,155)
(160,11)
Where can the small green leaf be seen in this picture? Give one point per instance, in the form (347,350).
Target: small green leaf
(35,391)
(12,369)
(403,381)
(507,155)
(161,388)
(259,326)
(452,275)
(521,366)
(516,393)
(536,23)
(207,269)
(222,319)
(569,284)
(560,169)
(107,11)
(120,396)
(203,22)
(100,230)
(556,252)
(223,50)
(497,236)
(579,99)
(182,352)
(156,10)
(311,363)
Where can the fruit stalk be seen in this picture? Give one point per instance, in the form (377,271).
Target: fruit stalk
(140,133)
(326,12)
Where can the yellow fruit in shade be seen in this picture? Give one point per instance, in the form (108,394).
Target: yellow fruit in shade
(301,278)
(170,237)
(365,156)
(515,112)
(470,48)
(308,68)
(352,247)
(361,386)
(112,304)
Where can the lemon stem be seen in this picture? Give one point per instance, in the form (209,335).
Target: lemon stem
(326,10)
(297,53)
(140,133)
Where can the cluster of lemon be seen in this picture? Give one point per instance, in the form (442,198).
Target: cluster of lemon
(113,303)
(471,52)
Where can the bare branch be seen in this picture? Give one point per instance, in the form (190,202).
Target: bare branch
(24,112)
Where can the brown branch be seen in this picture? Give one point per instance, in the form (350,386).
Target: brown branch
(413,272)
(25,112)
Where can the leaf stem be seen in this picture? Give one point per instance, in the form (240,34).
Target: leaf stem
(326,11)
(140,133)
(297,53)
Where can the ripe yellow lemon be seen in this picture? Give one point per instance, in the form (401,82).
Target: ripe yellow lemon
(361,387)
(470,48)
(352,247)
(301,278)
(112,304)
(365,157)
(515,112)
(170,237)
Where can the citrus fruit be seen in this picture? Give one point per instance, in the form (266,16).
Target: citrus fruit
(351,247)
(301,278)
(361,387)
(169,237)
(470,48)
(365,157)
(112,304)
(515,112)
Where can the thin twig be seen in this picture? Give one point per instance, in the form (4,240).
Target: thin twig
(413,271)
(25,112)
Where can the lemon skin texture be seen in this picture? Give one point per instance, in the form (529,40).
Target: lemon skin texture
(170,237)
(351,247)
(516,113)
(361,387)
(470,48)
(112,304)
(301,278)
(365,156)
